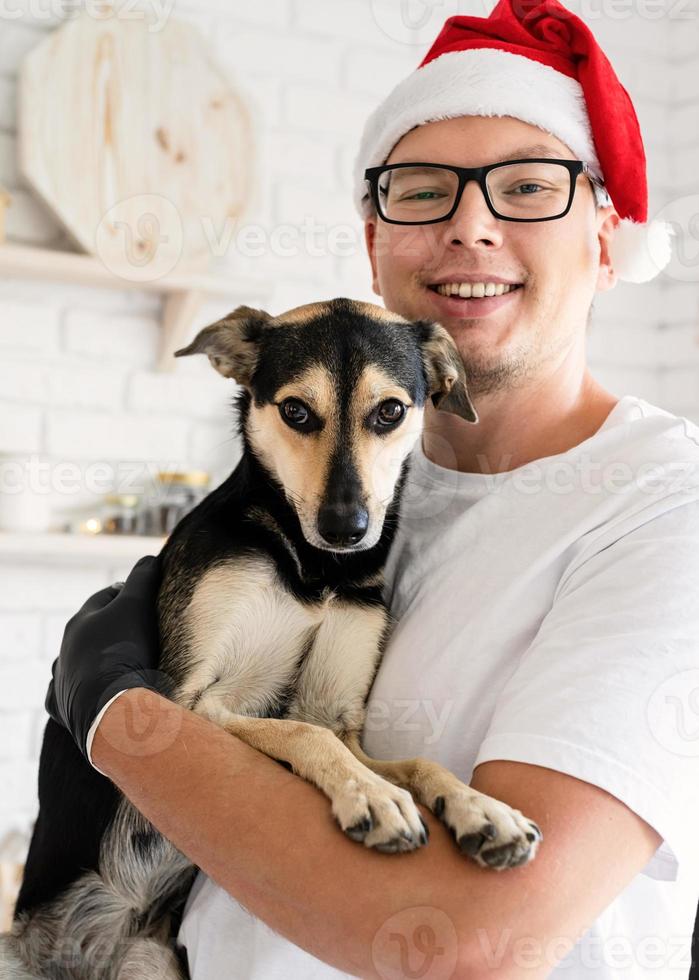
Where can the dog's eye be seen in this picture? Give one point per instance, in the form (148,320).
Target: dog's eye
(296,415)
(390,412)
(295,411)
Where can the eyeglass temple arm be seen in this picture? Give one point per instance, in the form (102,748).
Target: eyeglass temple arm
(588,172)
(595,180)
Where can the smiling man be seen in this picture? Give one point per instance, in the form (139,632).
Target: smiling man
(524,349)
(544,576)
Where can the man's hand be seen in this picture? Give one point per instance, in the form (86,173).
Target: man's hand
(110,645)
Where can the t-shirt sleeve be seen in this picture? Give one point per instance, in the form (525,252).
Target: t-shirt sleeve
(608,691)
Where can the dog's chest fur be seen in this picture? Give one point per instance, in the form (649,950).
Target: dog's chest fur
(256,649)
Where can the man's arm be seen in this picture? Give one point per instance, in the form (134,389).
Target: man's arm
(269,839)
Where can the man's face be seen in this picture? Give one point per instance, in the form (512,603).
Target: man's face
(560,264)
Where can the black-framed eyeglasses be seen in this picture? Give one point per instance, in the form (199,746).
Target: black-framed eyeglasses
(533,189)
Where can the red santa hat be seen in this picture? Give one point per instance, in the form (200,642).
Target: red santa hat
(536,61)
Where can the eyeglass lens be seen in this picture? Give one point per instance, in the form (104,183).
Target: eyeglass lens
(519,190)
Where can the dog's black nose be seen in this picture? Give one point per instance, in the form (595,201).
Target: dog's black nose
(339,524)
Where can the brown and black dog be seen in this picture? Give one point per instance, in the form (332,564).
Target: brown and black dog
(272,626)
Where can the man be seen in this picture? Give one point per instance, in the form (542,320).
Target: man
(543,576)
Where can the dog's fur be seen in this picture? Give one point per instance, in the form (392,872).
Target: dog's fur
(272,626)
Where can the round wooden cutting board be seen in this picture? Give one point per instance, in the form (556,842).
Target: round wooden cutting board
(135,141)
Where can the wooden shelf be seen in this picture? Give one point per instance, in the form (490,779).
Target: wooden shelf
(184,290)
(56,547)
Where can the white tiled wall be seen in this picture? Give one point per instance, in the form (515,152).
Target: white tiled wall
(76,364)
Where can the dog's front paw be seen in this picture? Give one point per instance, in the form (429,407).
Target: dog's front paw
(492,833)
(380,815)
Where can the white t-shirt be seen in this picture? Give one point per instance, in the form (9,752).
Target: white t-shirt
(546,615)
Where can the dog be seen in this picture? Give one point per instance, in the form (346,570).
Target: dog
(272,626)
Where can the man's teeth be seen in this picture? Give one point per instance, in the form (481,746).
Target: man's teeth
(475,290)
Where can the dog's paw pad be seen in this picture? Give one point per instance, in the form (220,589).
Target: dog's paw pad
(507,856)
(472,843)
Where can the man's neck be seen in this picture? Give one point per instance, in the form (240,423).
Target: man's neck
(517,427)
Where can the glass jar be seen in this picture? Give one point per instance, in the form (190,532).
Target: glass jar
(174,495)
(120,514)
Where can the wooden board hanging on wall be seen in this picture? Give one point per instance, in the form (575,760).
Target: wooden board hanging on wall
(135,140)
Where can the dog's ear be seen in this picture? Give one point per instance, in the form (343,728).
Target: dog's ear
(446,379)
(232,343)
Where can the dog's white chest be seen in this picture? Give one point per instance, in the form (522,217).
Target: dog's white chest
(250,641)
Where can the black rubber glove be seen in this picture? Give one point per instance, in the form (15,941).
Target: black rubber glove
(111,644)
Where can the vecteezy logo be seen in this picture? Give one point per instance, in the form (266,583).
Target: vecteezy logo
(673,714)
(682,215)
(414,22)
(419,943)
(140,238)
(424,940)
(144,727)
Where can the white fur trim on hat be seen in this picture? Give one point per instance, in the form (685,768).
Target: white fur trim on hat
(477,82)
(639,252)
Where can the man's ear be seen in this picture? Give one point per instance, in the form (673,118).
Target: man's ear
(446,379)
(608,222)
(232,343)
(370,240)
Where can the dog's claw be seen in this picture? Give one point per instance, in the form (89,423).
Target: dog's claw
(359,830)
(537,832)
(425,831)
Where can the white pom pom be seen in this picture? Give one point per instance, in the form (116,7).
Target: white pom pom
(639,252)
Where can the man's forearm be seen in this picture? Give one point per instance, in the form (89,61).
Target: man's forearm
(268,837)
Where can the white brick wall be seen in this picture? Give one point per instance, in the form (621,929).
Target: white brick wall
(76,365)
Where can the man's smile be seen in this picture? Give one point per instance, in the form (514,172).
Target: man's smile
(473,298)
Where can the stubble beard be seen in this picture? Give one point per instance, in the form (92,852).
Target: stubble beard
(519,366)
(501,370)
